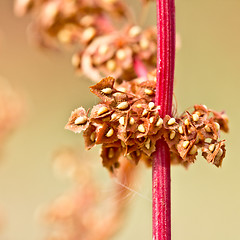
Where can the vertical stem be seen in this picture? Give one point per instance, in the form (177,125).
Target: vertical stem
(164,93)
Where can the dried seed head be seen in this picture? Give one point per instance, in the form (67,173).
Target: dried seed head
(88,34)
(171,121)
(193,150)
(102,50)
(195,117)
(217,126)
(151,119)
(185,144)
(134,31)
(159,122)
(121,54)
(80,120)
(151,105)
(122,105)
(111,65)
(148,91)
(211,147)
(172,135)
(145,112)
(180,130)
(148,144)
(207,128)
(186,122)
(122,120)
(131,121)
(102,110)
(87,21)
(109,133)
(141,128)
(111,153)
(107,91)
(93,136)
(114,116)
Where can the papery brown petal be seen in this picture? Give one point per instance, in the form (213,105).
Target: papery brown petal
(222,119)
(101,132)
(77,128)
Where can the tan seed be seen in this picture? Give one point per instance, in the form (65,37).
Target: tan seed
(103,49)
(148,143)
(197,139)
(122,105)
(148,91)
(195,117)
(159,122)
(171,121)
(102,110)
(87,21)
(172,135)
(208,129)
(122,89)
(92,137)
(121,54)
(186,122)
(180,130)
(131,121)
(144,43)
(107,91)
(211,147)
(111,65)
(151,105)
(139,105)
(217,126)
(114,116)
(141,128)
(88,34)
(220,153)
(151,120)
(145,112)
(185,144)
(193,150)
(198,113)
(111,153)
(134,31)
(109,133)
(121,120)
(80,120)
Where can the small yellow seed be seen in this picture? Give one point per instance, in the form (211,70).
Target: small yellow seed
(109,133)
(185,144)
(159,122)
(102,110)
(123,144)
(88,34)
(148,143)
(114,116)
(111,153)
(208,129)
(193,150)
(171,121)
(148,91)
(134,31)
(141,128)
(144,43)
(92,137)
(198,113)
(180,130)
(172,135)
(111,65)
(197,139)
(151,105)
(121,54)
(122,120)
(139,105)
(131,121)
(87,21)
(122,105)
(80,120)
(217,126)
(107,90)
(211,147)
(186,122)
(151,119)
(122,89)
(103,49)
(195,117)
(145,112)
(205,106)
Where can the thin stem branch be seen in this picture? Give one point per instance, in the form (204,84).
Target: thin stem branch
(164,93)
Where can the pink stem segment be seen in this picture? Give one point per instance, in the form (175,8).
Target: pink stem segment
(140,69)
(164,93)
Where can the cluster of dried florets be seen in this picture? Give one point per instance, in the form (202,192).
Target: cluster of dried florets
(82,214)
(127,123)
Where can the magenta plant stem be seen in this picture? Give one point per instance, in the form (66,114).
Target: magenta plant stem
(161,188)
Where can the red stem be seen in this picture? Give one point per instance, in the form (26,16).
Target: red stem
(164,94)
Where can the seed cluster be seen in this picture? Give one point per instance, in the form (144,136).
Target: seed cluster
(127,123)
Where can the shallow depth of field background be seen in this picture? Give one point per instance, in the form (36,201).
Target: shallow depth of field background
(205,200)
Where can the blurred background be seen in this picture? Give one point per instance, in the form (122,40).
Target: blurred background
(205,200)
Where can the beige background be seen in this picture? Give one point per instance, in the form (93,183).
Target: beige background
(205,200)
